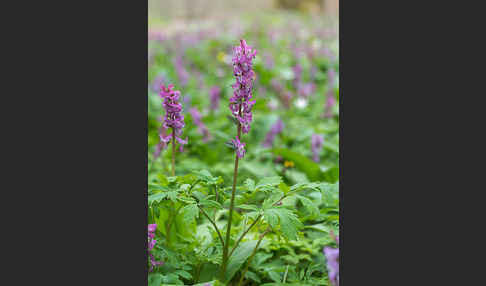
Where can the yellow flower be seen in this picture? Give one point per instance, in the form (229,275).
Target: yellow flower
(221,56)
(289,164)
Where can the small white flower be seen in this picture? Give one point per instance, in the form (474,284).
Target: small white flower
(301,103)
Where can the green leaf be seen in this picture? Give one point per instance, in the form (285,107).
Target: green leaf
(275,276)
(250,184)
(284,188)
(269,182)
(309,206)
(285,220)
(172,195)
(183,274)
(211,204)
(155,187)
(268,202)
(247,207)
(302,163)
(330,194)
(190,212)
(156,198)
(253,276)
(154,279)
(320,226)
(241,254)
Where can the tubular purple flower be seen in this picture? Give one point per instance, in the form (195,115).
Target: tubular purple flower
(173,117)
(151,244)
(316,146)
(214,93)
(274,131)
(196,118)
(152,227)
(241,103)
(332,257)
(239,147)
(161,145)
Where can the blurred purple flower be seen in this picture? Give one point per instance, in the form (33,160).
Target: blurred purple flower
(332,257)
(274,131)
(316,146)
(268,60)
(306,89)
(214,93)
(196,118)
(241,103)
(173,117)
(330,100)
(297,69)
(181,71)
(157,82)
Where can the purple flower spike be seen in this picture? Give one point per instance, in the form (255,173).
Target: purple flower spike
(274,131)
(332,257)
(214,93)
(196,118)
(173,117)
(241,103)
(152,227)
(151,244)
(239,147)
(316,146)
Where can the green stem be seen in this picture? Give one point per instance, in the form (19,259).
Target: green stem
(285,274)
(171,223)
(213,223)
(243,235)
(232,203)
(252,255)
(173,152)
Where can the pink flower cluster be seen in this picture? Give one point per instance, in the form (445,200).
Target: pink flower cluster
(151,244)
(241,103)
(173,117)
(239,147)
(196,118)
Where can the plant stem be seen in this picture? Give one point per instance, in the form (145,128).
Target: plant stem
(170,224)
(232,203)
(253,254)
(253,224)
(213,223)
(243,235)
(173,152)
(285,274)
